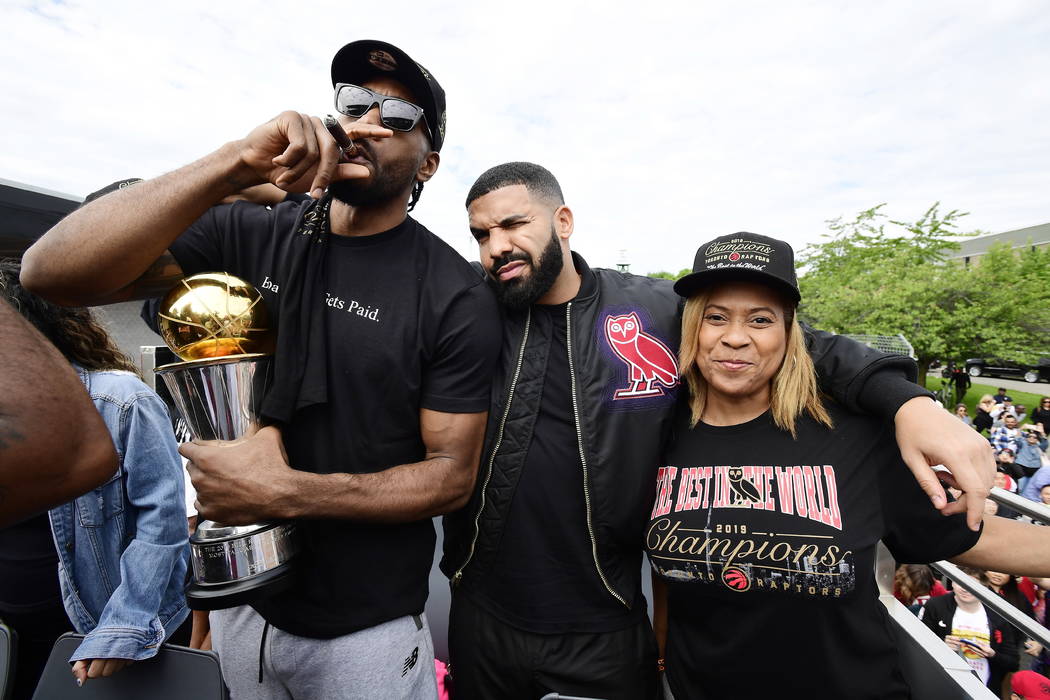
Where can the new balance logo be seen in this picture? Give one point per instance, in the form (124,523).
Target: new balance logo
(410,662)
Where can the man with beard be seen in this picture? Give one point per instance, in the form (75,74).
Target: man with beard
(545,560)
(386,344)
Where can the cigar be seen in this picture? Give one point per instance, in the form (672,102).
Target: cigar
(345,144)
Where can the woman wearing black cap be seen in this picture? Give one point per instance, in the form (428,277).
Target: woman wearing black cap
(771,501)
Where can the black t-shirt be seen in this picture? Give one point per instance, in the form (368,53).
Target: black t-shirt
(982,420)
(544,579)
(1042,417)
(768,546)
(28,566)
(408,325)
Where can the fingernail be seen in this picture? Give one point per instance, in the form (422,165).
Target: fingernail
(938,501)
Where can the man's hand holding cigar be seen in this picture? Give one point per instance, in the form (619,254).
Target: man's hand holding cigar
(297,153)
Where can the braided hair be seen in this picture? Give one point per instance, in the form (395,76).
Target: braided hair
(74,330)
(417,190)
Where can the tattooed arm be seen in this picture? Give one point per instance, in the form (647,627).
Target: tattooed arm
(53,443)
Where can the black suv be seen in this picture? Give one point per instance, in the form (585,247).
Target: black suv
(995,367)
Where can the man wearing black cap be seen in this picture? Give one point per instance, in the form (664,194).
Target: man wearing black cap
(386,344)
(545,560)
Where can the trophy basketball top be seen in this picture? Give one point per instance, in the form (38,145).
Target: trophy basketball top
(212,315)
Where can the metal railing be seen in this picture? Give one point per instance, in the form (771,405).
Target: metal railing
(1035,511)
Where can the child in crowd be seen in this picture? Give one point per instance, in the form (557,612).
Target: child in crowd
(986,641)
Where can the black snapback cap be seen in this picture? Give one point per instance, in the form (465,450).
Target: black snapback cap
(742,256)
(360,60)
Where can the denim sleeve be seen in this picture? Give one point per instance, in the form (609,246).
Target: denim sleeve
(153,566)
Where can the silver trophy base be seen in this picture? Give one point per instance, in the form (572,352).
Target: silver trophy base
(235,565)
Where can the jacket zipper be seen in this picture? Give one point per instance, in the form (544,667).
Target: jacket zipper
(458,576)
(583,459)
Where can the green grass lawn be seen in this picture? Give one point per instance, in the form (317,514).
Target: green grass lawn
(976,391)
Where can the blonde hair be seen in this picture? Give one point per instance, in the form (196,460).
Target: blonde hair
(987,398)
(794,386)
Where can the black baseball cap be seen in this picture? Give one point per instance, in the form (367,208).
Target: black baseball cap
(360,60)
(742,255)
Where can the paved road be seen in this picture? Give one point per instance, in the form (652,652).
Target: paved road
(1040,388)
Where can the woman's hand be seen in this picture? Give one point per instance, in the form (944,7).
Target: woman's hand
(97,668)
(928,435)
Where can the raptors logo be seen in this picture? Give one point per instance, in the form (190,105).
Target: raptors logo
(734,577)
(652,365)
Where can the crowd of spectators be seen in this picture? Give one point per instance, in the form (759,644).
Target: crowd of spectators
(1011,666)
(1019,439)
(997,652)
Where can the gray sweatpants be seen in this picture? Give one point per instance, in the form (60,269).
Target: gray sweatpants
(392,660)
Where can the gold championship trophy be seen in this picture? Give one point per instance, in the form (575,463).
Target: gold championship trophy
(220,326)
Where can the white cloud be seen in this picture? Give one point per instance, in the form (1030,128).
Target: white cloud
(667,124)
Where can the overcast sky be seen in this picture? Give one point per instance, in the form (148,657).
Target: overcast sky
(667,123)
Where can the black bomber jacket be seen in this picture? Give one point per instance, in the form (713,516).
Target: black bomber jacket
(623,336)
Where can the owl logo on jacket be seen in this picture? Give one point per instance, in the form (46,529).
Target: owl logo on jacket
(652,366)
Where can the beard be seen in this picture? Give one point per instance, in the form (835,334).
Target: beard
(523,291)
(388,181)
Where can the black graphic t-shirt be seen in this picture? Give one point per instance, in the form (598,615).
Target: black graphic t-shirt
(767,545)
(408,325)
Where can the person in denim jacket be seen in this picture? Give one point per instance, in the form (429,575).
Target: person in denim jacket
(122,547)
(1030,448)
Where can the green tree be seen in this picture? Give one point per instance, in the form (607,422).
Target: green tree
(877,275)
(1013,288)
(671,275)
